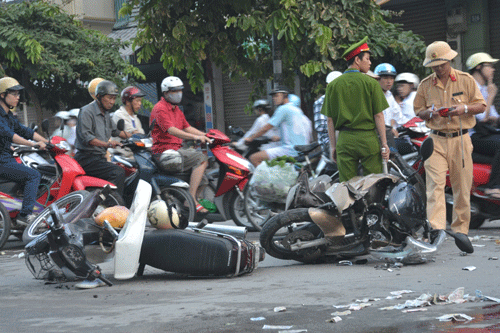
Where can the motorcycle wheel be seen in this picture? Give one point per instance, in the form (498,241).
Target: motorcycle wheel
(178,197)
(238,213)
(113,199)
(276,241)
(257,211)
(5,224)
(66,204)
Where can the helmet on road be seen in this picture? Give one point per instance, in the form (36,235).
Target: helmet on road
(294,99)
(332,76)
(438,53)
(106,87)
(116,216)
(131,92)
(162,216)
(477,59)
(408,78)
(171,83)
(92,85)
(261,103)
(385,69)
(9,84)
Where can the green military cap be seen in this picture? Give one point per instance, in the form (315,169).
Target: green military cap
(356,49)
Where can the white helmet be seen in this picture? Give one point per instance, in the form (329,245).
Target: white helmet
(62,114)
(408,78)
(171,83)
(332,76)
(162,216)
(74,112)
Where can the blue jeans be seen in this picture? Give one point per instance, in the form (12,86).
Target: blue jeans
(16,172)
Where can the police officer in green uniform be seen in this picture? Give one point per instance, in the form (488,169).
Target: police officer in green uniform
(354,104)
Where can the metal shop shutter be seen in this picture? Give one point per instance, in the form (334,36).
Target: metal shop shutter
(236,96)
(494,23)
(424,17)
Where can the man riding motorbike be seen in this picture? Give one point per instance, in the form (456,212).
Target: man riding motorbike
(11,131)
(169,131)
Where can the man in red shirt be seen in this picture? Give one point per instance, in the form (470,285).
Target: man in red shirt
(168,133)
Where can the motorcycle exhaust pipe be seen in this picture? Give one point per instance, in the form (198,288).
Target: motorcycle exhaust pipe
(238,232)
(415,252)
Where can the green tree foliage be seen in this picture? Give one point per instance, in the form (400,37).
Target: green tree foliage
(236,35)
(52,54)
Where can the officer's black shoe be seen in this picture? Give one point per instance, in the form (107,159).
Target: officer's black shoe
(462,241)
(434,234)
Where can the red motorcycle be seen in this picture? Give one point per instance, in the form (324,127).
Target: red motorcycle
(63,181)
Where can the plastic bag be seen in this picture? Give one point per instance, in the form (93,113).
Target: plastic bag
(272,182)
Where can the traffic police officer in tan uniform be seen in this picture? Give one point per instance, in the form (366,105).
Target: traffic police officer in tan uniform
(457,90)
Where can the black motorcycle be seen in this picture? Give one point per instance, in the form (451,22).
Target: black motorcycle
(383,214)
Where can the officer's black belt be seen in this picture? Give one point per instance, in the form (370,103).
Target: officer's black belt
(451,134)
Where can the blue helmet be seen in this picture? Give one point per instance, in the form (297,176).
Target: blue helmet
(294,99)
(385,69)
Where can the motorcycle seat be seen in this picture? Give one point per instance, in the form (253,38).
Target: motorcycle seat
(305,149)
(482,159)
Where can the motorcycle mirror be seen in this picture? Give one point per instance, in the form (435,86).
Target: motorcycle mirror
(427,148)
(45,126)
(120,125)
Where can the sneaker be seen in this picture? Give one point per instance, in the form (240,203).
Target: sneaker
(25,220)
(87,284)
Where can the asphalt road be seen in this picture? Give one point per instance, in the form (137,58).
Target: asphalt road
(166,302)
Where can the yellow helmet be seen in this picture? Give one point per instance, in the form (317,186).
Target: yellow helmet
(92,85)
(438,53)
(116,216)
(477,59)
(9,83)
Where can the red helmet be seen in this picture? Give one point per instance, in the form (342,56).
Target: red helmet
(131,92)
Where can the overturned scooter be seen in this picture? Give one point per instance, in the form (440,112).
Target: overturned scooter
(380,214)
(73,244)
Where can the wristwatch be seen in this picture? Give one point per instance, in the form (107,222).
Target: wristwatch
(466,109)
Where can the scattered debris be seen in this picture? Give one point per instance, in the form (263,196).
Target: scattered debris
(2,253)
(455,317)
(344,263)
(257,318)
(280,309)
(20,255)
(341,313)
(480,295)
(469,268)
(414,310)
(389,266)
(366,300)
(394,297)
(359,306)
(493,258)
(334,320)
(401,292)
(293,331)
(276,327)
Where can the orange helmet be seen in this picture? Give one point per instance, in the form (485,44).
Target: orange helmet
(92,85)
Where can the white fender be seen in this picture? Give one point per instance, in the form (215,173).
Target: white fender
(129,243)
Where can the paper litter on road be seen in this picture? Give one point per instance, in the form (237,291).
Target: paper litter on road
(480,295)
(257,318)
(334,320)
(340,313)
(344,263)
(341,306)
(366,300)
(400,292)
(276,327)
(455,317)
(493,258)
(280,309)
(414,310)
(394,297)
(293,331)
(358,306)
(469,268)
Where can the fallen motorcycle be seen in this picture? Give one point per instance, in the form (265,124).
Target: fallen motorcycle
(74,244)
(382,214)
